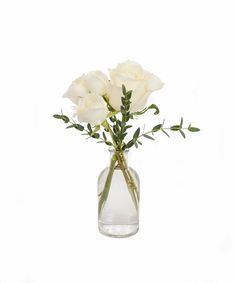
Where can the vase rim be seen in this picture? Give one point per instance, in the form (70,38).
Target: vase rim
(111,149)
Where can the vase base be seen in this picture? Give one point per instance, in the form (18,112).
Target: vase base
(118,231)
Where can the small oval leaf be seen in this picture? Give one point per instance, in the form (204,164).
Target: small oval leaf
(57,116)
(148,137)
(129,144)
(182,133)
(175,128)
(193,129)
(157,128)
(136,134)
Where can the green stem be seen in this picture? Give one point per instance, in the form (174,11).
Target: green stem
(133,190)
(107,186)
(108,128)
(132,182)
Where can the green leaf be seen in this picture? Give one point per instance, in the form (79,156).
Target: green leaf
(182,133)
(71,126)
(57,116)
(127,113)
(193,129)
(136,145)
(112,119)
(104,136)
(127,127)
(123,100)
(122,110)
(154,106)
(62,117)
(115,138)
(129,94)
(108,143)
(136,134)
(148,137)
(165,132)
(115,129)
(181,122)
(76,126)
(95,136)
(119,123)
(126,119)
(157,128)
(65,119)
(123,89)
(96,128)
(130,143)
(123,135)
(89,128)
(79,127)
(175,128)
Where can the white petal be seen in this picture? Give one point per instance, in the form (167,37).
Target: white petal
(153,82)
(128,69)
(115,97)
(75,92)
(129,83)
(139,98)
(92,109)
(130,66)
(92,116)
(97,82)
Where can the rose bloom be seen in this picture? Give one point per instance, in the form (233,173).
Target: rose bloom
(133,77)
(86,93)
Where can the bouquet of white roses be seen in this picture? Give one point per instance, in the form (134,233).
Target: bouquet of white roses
(105,109)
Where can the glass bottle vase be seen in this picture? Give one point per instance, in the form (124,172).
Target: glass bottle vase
(118,197)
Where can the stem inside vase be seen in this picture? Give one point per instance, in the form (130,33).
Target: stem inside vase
(118,191)
(107,186)
(119,158)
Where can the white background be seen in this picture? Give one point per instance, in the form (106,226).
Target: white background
(48,204)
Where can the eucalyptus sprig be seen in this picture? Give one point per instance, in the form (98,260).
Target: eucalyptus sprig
(118,123)
(89,131)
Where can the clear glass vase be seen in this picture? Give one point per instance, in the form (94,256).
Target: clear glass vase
(118,197)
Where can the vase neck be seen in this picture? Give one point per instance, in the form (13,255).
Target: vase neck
(124,154)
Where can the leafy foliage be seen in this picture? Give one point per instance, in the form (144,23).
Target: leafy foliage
(148,137)
(62,117)
(193,129)
(152,106)
(76,126)
(117,125)
(156,128)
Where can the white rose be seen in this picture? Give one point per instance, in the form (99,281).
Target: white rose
(86,92)
(140,81)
